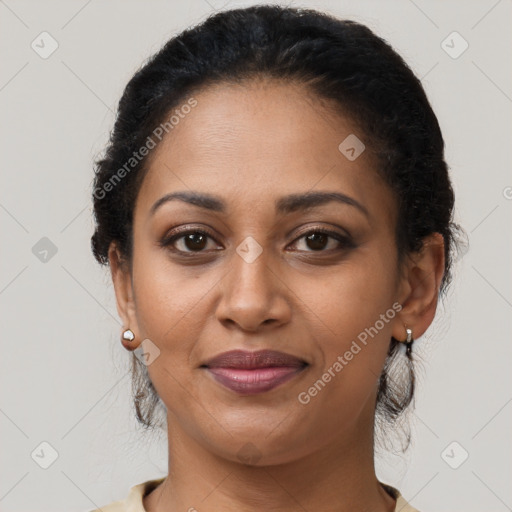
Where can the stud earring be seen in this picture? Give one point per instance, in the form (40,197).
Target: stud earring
(126,338)
(128,335)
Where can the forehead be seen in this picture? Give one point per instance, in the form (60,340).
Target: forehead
(255,142)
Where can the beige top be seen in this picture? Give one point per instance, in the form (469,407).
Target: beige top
(133,502)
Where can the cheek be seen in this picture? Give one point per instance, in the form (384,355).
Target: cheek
(168,296)
(354,312)
(354,293)
(170,312)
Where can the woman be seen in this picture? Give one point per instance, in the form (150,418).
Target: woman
(276,212)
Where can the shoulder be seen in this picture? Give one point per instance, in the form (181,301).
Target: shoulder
(401,503)
(133,502)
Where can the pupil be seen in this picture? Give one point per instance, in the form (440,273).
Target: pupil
(318,240)
(191,241)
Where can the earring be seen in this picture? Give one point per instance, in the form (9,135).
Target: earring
(128,335)
(408,340)
(126,338)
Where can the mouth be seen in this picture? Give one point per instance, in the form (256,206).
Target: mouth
(250,373)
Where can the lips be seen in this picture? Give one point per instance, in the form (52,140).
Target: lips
(242,359)
(250,373)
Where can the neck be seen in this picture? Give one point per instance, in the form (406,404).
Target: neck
(338,477)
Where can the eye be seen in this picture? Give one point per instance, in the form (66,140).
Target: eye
(318,239)
(196,240)
(192,240)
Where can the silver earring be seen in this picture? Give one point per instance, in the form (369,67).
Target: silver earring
(408,340)
(128,335)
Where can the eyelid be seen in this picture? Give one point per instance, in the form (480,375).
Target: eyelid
(181,231)
(323,229)
(344,240)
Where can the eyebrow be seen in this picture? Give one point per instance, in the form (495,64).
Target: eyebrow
(284,205)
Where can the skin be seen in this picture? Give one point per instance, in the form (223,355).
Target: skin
(251,144)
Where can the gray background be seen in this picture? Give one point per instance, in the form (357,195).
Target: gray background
(64,372)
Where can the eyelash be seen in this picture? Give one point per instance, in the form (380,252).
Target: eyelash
(179,234)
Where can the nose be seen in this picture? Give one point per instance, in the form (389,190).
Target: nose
(253,295)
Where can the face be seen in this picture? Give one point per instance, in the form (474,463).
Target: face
(253,268)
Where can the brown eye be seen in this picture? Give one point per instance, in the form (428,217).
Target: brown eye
(195,241)
(317,240)
(190,241)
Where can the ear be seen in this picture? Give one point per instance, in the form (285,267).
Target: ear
(123,286)
(419,288)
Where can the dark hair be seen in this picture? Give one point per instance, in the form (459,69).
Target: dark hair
(339,60)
